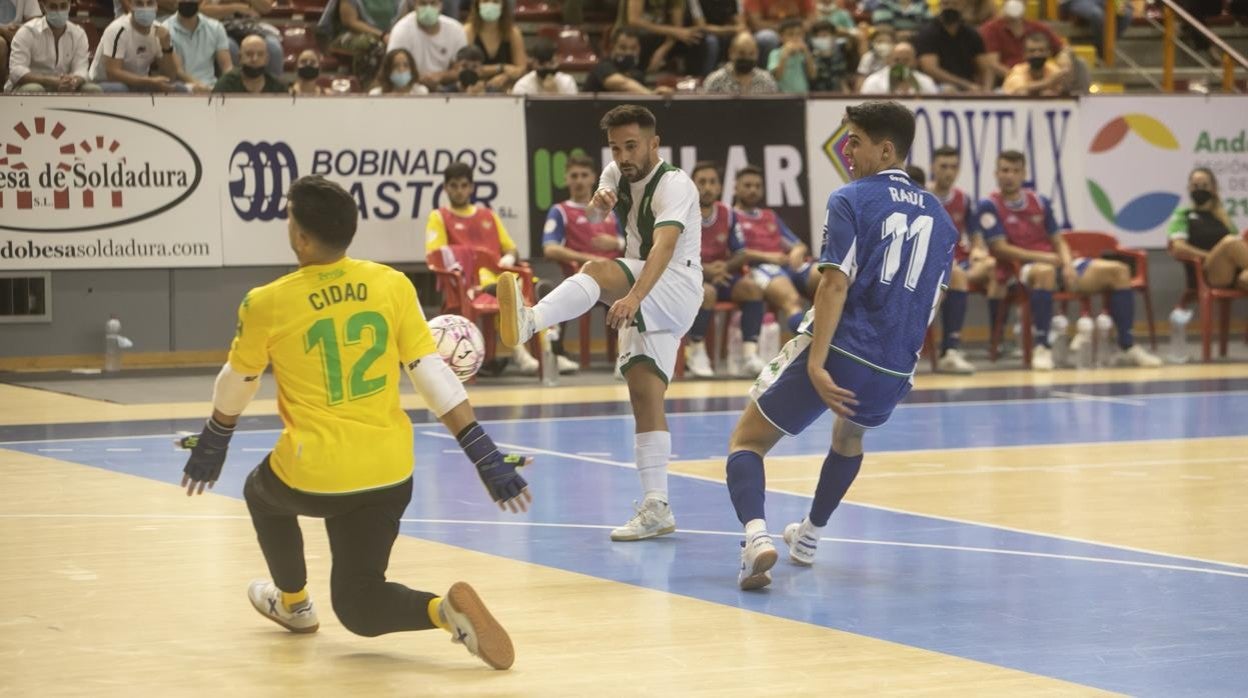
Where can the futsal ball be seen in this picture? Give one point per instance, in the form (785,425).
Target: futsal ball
(459,343)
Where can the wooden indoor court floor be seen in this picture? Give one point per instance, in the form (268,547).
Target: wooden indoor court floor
(1010,534)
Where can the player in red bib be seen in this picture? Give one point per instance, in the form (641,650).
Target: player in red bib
(1019,226)
(462,222)
(723,256)
(776,257)
(972,264)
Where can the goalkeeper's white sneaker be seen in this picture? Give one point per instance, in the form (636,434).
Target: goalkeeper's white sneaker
(653,518)
(471,625)
(758,556)
(803,541)
(266,598)
(515,320)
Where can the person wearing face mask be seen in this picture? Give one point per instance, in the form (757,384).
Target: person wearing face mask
(308,70)
(545,77)
(831,58)
(433,40)
(741,75)
(130,48)
(621,70)
(201,45)
(1038,76)
(397,76)
(1005,36)
(467,67)
(1204,231)
(250,76)
(900,77)
(50,54)
(13,15)
(492,29)
(953,53)
(882,41)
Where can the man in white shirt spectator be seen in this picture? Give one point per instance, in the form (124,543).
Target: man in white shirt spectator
(13,14)
(50,55)
(900,77)
(545,77)
(201,44)
(130,46)
(433,39)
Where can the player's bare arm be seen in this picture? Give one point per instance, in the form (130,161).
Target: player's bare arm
(829,303)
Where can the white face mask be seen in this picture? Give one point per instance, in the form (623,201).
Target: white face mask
(882,49)
(822,44)
(1013,9)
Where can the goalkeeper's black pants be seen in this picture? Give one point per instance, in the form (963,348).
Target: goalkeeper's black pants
(361,527)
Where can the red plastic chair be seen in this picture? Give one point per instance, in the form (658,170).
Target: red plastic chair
(1207,297)
(1018,294)
(537,11)
(572,48)
(1095,245)
(584,325)
(457,269)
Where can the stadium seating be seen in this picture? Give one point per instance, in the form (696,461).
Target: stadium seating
(1207,298)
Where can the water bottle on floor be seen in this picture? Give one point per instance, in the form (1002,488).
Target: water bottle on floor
(1059,340)
(1105,341)
(114,342)
(1177,353)
(1083,342)
(550,366)
(769,338)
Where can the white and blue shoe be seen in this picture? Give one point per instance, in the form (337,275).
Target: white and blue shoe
(758,556)
(803,541)
(266,598)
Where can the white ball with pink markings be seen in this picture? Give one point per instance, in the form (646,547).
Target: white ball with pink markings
(459,343)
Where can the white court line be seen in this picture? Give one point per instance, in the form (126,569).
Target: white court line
(1084,397)
(55,450)
(731,534)
(596,454)
(123,450)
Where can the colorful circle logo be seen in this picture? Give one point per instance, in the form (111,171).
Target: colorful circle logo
(1146,211)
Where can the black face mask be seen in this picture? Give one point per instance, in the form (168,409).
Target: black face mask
(543,73)
(950,16)
(253,71)
(1200,197)
(625,62)
(744,65)
(468,77)
(1036,63)
(188,9)
(308,72)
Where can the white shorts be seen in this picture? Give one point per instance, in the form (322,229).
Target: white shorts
(666,315)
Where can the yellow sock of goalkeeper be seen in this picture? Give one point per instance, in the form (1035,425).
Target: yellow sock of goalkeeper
(290,600)
(435,613)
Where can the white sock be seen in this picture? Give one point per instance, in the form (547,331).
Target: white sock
(697,347)
(755,527)
(816,530)
(570,299)
(653,450)
(749,349)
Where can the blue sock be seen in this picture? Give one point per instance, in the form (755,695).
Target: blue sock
(1122,310)
(795,321)
(700,321)
(952,315)
(751,320)
(834,480)
(1041,315)
(747,484)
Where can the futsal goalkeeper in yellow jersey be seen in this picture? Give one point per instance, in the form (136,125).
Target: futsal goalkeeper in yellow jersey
(338,331)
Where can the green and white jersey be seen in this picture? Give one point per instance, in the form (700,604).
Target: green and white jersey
(665,196)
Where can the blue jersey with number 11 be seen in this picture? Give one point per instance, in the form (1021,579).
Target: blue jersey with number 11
(895,242)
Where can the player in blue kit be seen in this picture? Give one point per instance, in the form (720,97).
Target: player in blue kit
(887,246)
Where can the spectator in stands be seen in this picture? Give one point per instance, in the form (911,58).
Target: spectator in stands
(241,19)
(433,40)
(1204,231)
(308,72)
(251,75)
(49,54)
(843,22)
(979,11)
(904,16)
(660,23)
(621,71)
(953,53)
(721,19)
(741,75)
(792,64)
(13,14)
(397,76)
(763,17)
(492,28)
(1004,38)
(201,45)
(900,77)
(362,29)
(831,55)
(467,68)
(882,41)
(1092,12)
(128,50)
(1040,75)
(545,78)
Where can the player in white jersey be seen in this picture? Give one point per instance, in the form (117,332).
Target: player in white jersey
(655,291)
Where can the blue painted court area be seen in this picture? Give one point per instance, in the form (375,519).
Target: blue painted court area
(1107,617)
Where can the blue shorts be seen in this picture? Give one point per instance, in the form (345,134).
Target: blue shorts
(787,399)
(763,274)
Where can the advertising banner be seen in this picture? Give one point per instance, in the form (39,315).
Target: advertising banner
(99,183)
(1140,151)
(388,153)
(733,133)
(1046,131)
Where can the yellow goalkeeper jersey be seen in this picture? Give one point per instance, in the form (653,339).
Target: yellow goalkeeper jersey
(337,335)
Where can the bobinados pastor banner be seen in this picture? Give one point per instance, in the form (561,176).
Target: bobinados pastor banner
(733,133)
(1140,151)
(129,182)
(1046,131)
